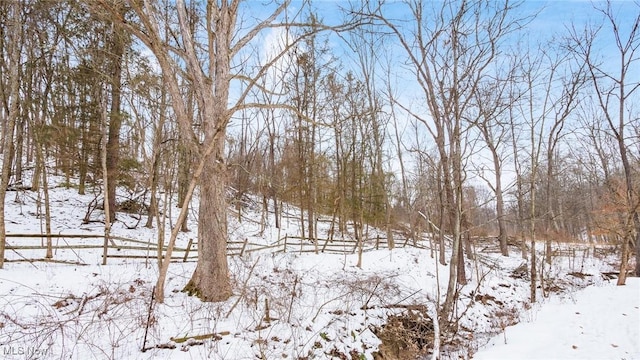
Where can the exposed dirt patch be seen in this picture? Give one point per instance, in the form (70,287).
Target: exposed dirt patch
(405,336)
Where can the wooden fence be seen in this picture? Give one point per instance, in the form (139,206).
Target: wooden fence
(67,247)
(74,248)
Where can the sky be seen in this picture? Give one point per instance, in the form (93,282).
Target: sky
(552,21)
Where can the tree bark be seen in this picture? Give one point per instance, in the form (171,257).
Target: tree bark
(115,119)
(210,280)
(502,231)
(14,32)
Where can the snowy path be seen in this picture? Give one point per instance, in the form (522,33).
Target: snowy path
(599,322)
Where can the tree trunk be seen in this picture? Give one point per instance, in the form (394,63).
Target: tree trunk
(452,207)
(502,231)
(47,210)
(115,120)
(83,161)
(311,179)
(462,271)
(210,280)
(19,147)
(185,162)
(632,223)
(551,216)
(41,155)
(441,211)
(156,160)
(637,223)
(105,176)
(532,229)
(153,184)
(14,33)
(624,259)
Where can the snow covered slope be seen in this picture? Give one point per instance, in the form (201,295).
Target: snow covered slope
(288,305)
(599,322)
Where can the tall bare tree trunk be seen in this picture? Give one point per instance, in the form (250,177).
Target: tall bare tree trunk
(519,188)
(115,119)
(441,219)
(210,280)
(19,146)
(532,233)
(156,159)
(14,32)
(502,230)
(41,156)
(105,174)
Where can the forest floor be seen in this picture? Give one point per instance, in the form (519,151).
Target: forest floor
(294,305)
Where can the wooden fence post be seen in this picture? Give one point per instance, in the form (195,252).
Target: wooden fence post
(244,245)
(105,246)
(186,252)
(406,241)
(325,245)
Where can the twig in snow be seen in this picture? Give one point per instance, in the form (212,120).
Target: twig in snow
(146,329)
(325,303)
(366,304)
(293,295)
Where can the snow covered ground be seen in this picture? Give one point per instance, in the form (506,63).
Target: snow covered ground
(599,322)
(289,305)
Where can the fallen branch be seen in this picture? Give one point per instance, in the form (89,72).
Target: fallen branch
(214,336)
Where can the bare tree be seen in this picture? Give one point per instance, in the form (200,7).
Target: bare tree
(364,44)
(12,13)
(553,84)
(615,85)
(494,101)
(549,85)
(449,48)
(306,70)
(117,44)
(598,158)
(208,65)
